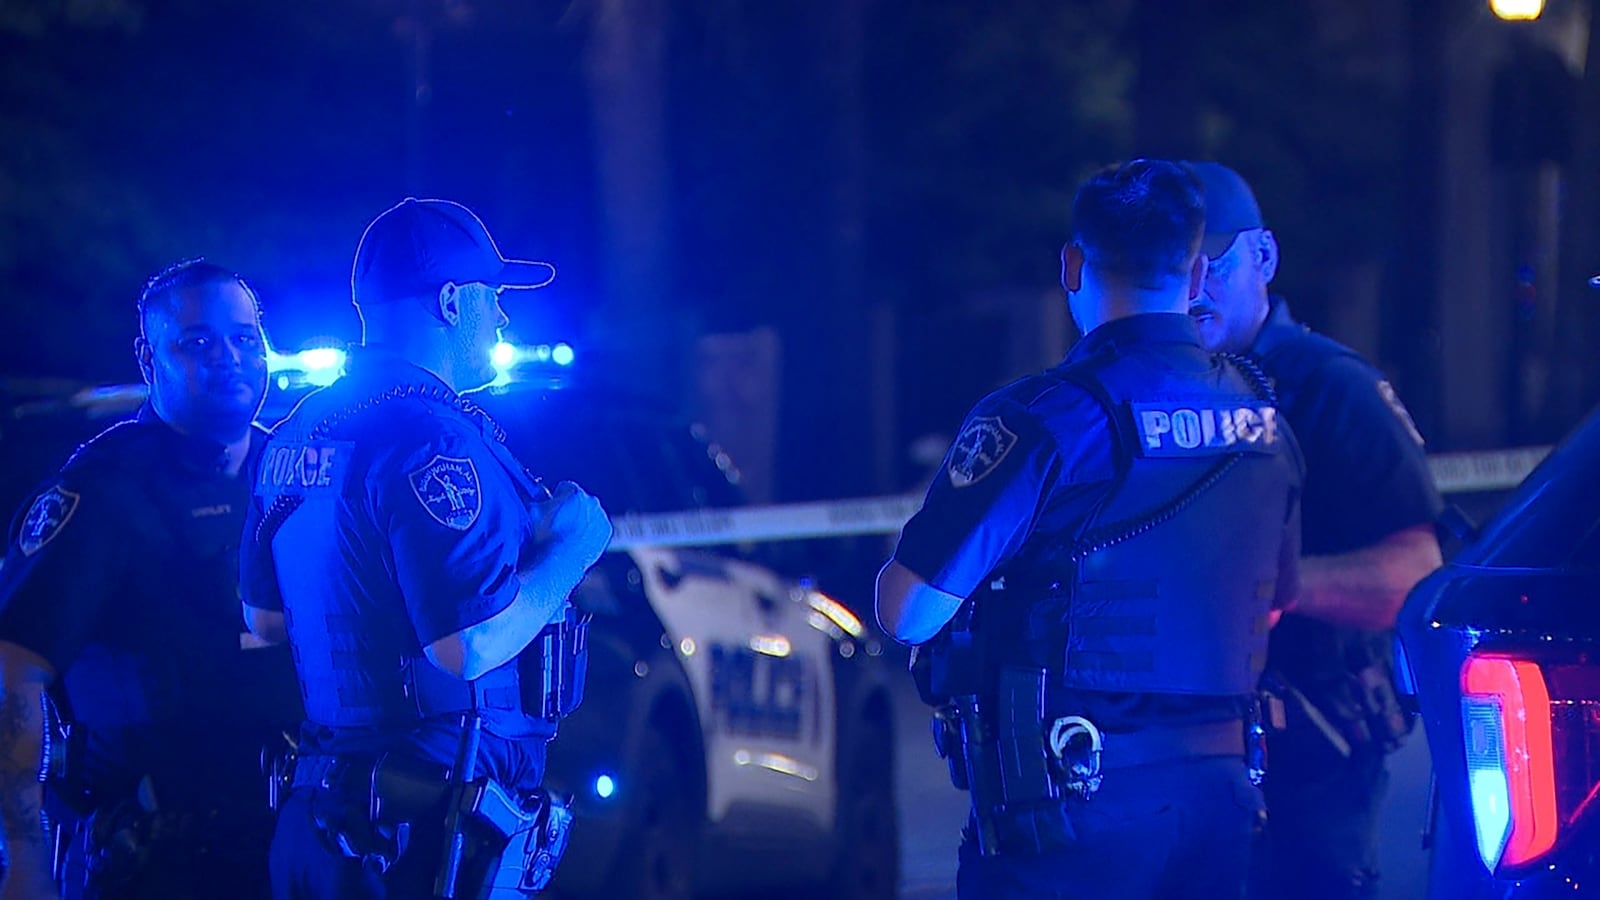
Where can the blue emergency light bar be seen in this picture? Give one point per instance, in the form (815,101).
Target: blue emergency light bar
(322,366)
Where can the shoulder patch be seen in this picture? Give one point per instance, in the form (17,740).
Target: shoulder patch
(46,518)
(982,445)
(1185,430)
(1387,392)
(307,467)
(448,489)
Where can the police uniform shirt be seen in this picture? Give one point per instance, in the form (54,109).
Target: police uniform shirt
(410,530)
(1023,479)
(121,573)
(1019,468)
(1366,474)
(1025,475)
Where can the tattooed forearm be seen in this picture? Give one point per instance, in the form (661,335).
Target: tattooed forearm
(23,678)
(21,734)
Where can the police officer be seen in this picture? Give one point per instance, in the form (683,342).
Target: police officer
(119,601)
(1369,510)
(1096,570)
(412,563)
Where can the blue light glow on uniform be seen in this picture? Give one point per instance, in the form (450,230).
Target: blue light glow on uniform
(605,786)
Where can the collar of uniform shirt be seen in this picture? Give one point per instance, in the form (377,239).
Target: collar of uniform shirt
(199,454)
(1145,328)
(1279,324)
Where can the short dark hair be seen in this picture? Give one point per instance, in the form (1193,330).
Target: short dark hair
(187,273)
(1141,221)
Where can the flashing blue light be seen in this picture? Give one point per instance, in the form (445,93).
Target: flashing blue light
(604,787)
(507,357)
(318,366)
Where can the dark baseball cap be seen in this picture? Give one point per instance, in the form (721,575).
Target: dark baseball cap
(416,246)
(1230,206)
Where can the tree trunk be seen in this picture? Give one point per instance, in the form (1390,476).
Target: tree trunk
(626,73)
(1411,336)
(1576,373)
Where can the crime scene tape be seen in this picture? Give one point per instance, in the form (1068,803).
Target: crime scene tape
(1454,473)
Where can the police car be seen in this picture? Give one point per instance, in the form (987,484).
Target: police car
(736,731)
(1501,651)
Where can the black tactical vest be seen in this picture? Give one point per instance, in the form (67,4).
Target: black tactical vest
(1168,585)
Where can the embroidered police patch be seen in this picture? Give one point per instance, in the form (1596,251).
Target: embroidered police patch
(982,445)
(448,489)
(1387,392)
(45,519)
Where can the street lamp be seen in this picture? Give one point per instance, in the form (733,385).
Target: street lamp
(1517,10)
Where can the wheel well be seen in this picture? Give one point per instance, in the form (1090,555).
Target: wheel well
(672,718)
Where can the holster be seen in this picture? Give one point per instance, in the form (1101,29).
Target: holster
(61,764)
(368,809)
(1015,799)
(946,725)
(554,668)
(532,836)
(1354,712)
(365,807)
(124,842)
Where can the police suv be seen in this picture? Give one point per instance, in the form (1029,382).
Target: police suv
(1500,650)
(736,731)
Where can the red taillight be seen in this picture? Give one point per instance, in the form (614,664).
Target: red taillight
(1532,724)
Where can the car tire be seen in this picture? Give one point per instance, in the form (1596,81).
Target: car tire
(867,861)
(657,857)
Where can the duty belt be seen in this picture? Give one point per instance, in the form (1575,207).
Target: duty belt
(315,771)
(1166,743)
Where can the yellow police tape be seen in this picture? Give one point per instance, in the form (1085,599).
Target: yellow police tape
(1454,473)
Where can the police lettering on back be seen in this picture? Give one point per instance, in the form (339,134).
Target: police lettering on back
(303,468)
(1171,429)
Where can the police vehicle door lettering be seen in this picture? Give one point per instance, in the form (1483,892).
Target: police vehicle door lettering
(758,693)
(1177,430)
(303,468)
(762,679)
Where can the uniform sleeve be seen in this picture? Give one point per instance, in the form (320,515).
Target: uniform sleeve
(65,554)
(455,526)
(258,583)
(1367,476)
(983,501)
